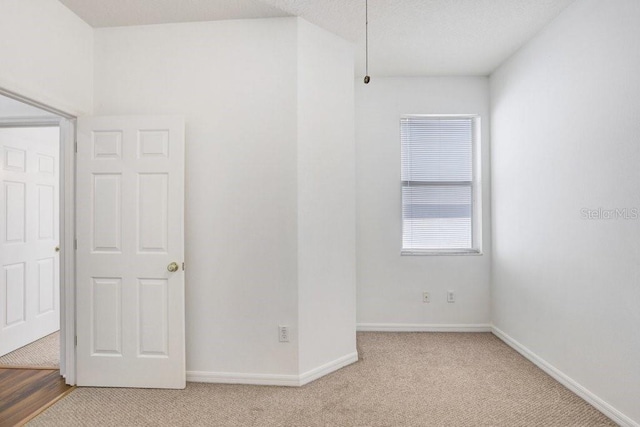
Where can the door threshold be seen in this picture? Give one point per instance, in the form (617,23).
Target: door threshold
(46,368)
(26,393)
(45,407)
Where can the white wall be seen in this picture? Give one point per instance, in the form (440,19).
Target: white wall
(46,54)
(390,286)
(565,116)
(235,83)
(270,214)
(326,198)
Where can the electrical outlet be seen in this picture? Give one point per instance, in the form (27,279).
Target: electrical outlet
(451,296)
(426,298)
(283,333)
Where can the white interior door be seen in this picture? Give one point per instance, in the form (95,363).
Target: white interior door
(29,233)
(130,229)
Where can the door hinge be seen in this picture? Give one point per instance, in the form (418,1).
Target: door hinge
(75,244)
(76,145)
(183,266)
(76,340)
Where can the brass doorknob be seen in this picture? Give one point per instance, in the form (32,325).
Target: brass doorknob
(57,248)
(173,267)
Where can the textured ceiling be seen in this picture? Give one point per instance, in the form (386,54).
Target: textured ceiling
(406,37)
(116,13)
(430,37)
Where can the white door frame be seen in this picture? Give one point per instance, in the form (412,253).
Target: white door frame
(67,123)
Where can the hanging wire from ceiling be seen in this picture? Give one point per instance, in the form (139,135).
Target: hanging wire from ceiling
(367,79)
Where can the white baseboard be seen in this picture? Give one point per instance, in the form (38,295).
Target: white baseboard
(422,327)
(608,410)
(240,378)
(272,379)
(327,368)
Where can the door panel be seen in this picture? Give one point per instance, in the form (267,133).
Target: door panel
(106,231)
(46,285)
(106,305)
(154,322)
(15,201)
(29,223)
(130,227)
(16,289)
(46,214)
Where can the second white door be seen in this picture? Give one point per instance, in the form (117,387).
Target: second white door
(29,276)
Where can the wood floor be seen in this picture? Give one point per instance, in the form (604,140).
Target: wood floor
(26,392)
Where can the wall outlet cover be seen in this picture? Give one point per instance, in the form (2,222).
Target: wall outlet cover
(426,298)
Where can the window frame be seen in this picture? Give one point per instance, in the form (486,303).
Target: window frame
(476,189)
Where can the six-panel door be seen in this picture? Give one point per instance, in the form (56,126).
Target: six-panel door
(29,263)
(130,228)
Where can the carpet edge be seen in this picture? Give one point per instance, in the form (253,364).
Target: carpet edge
(422,327)
(287,380)
(327,368)
(598,403)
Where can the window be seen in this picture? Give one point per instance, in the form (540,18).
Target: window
(440,192)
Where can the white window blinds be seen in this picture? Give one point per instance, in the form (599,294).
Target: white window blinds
(437,183)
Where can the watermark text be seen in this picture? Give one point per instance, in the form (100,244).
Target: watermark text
(610,214)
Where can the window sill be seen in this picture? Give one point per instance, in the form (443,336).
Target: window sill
(443,252)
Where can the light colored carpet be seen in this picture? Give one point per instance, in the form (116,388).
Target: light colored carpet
(402,379)
(44,353)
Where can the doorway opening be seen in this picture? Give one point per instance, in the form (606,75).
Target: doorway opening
(36,236)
